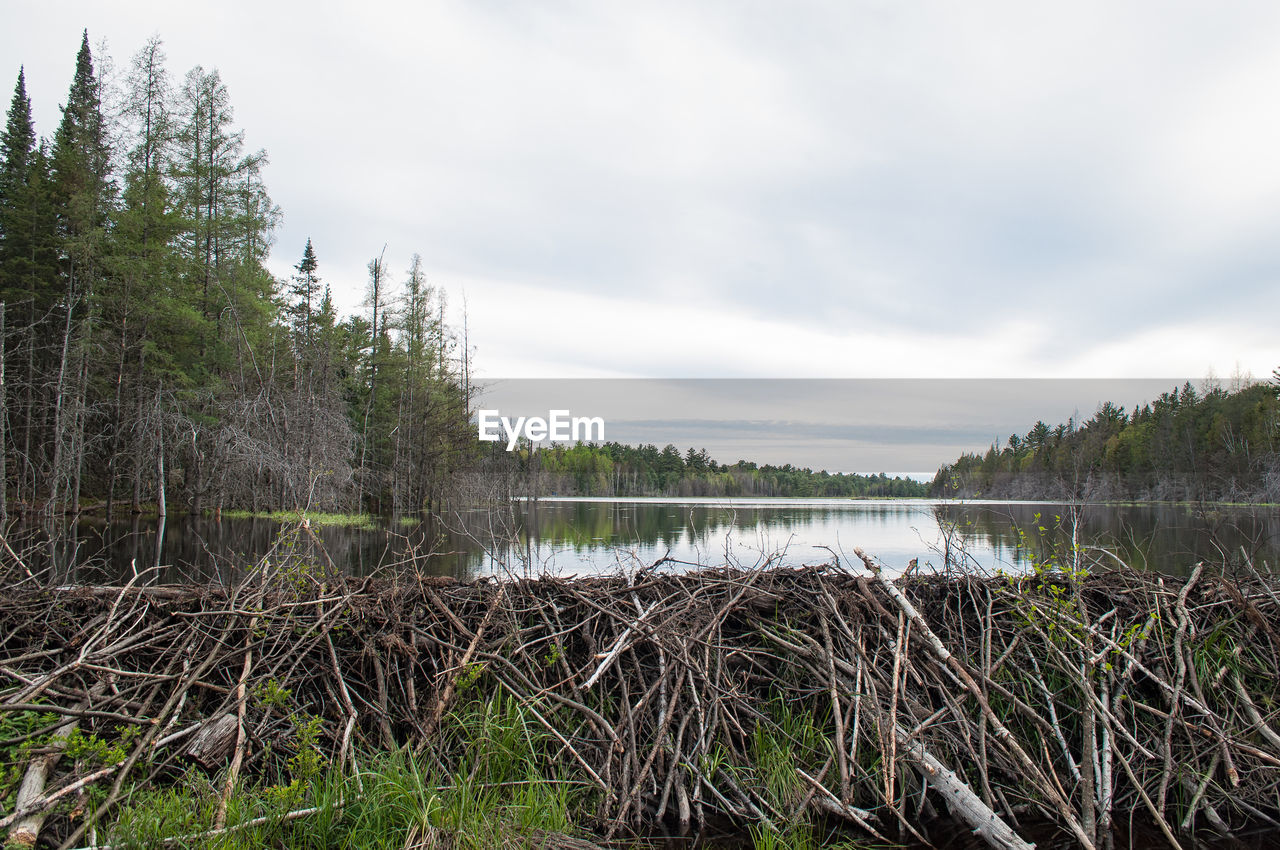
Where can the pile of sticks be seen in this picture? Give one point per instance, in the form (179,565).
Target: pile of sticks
(1080,697)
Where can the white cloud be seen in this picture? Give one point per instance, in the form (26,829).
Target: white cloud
(817,188)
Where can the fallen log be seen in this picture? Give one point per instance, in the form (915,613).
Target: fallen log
(26,831)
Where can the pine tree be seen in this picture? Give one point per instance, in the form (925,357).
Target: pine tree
(143,337)
(226,223)
(17,158)
(18,142)
(17,146)
(304,289)
(81,162)
(82,191)
(227,217)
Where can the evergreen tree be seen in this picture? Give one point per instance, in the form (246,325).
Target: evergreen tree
(304,289)
(81,194)
(226,222)
(17,155)
(27,245)
(81,162)
(226,217)
(147,349)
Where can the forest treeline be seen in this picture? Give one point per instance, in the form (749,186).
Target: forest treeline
(1187,445)
(614,469)
(147,356)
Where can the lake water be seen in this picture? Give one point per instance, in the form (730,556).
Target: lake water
(582,536)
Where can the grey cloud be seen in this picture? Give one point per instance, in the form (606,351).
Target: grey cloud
(917,169)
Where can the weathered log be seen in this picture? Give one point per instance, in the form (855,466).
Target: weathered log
(212,744)
(962,802)
(25,832)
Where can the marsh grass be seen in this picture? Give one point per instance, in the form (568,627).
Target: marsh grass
(786,742)
(503,783)
(314,518)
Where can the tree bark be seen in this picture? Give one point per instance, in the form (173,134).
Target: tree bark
(160,506)
(25,832)
(60,403)
(960,798)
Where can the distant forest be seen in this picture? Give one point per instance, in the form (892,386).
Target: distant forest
(613,469)
(148,357)
(1187,445)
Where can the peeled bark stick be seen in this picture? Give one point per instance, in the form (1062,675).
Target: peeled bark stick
(1252,710)
(220,820)
(25,832)
(345,749)
(1184,622)
(961,799)
(1003,732)
(828,802)
(44,804)
(1197,796)
(618,645)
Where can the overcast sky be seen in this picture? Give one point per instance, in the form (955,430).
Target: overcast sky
(787,189)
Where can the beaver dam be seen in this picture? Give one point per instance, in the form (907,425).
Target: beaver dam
(791,707)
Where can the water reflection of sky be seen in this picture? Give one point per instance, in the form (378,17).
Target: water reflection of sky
(582,536)
(751,533)
(979,535)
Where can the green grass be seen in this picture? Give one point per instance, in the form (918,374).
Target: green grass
(506,783)
(315,518)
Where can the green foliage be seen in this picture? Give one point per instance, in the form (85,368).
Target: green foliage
(469,676)
(90,748)
(140,309)
(794,837)
(792,741)
(17,726)
(269,694)
(1185,445)
(316,519)
(507,781)
(614,469)
(305,767)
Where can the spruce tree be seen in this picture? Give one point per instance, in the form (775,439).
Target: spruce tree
(304,289)
(80,172)
(18,142)
(17,155)
(81,162)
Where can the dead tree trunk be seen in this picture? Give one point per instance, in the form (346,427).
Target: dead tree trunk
(59,405)
(160,506)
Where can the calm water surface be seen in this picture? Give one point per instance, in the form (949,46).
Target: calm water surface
(583,536)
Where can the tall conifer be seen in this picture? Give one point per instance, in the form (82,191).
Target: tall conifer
(17,158)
